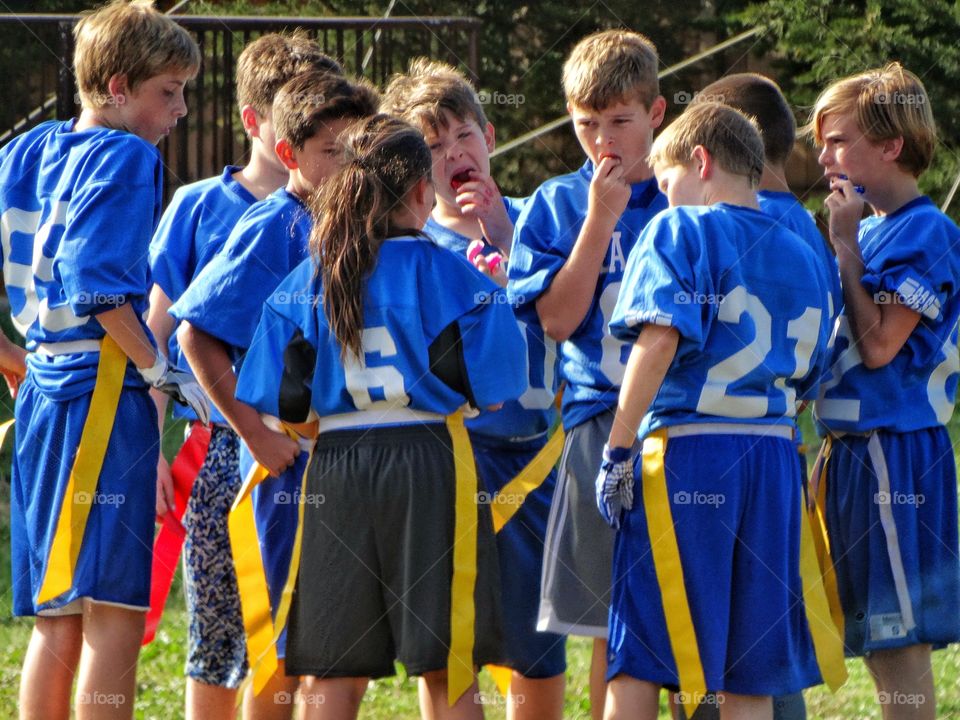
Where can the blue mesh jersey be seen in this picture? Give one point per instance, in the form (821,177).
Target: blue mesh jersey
(787,210)
(592,361)
(911,256)
(423,306)
(77,210)
(534,412)
(193,229)
(751,304)
(226,297)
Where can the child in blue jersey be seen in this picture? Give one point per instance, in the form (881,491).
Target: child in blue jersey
(441,102)
(890,501)
(569,251)
(79,201)
(220,308)
(192,231)
(398,561)
(729,315)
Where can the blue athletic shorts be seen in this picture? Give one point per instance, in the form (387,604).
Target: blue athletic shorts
(892,521)
(520,547)
(735,502)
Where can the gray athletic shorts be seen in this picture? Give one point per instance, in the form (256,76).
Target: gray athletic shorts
(578,550)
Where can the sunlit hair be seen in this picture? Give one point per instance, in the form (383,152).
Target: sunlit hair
(760,98)
(421,95)
(886,103)
(731,138)
(385,157)
(272,60)
(312,99)
(127,38)
(609,67)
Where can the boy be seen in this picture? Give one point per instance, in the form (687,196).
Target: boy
(441,102)
(219,310)
(891,492)
(191,232)
(570,246)
(729,315)
(80,200)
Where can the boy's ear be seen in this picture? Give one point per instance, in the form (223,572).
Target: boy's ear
(703,162)
(118,87)
(250,120)
(285,153)
(891,149)
(422,188)
(490,137)
(658,109)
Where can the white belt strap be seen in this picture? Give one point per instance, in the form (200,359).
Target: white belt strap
(890,530)
(367,418)
(768,430)
(69,347)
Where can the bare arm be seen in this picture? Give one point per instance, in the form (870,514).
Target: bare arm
(161,324)
(649,361)
(565,303)
(123,325)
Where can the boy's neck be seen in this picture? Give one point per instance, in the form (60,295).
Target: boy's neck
(452,219)
(260,177)
(730,189)
(885,200)
(774,178)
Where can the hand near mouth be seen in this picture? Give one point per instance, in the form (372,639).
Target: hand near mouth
(845,205)
(480,198)
(609,190)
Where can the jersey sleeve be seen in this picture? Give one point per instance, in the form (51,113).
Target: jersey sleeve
(102,261)
(172,250)
(665,282)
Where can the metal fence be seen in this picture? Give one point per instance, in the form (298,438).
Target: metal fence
(37,51)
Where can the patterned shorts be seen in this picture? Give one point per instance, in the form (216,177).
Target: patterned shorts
(217,647)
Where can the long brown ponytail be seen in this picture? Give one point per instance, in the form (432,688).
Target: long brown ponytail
(385,157)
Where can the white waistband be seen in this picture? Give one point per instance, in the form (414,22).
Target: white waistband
(688,429)
(68,347)
(367,418)
(274,424)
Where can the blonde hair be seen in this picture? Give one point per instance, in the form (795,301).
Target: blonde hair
(352,212)
(274,59)
(309,100)
(886,103)
(731,138)
(609,67)
(127,38)
(427,89)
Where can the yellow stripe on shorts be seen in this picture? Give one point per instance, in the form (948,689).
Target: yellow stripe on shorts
(666,560)
(817,514)
(81,486)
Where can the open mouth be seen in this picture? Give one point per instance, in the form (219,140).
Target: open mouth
(459,179)
(612,156)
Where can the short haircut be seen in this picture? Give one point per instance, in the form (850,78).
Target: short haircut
(421,94)
(315,97)
(760,98)
(272,60)
(127,38)
(886,103)
(731,138)
(609,67)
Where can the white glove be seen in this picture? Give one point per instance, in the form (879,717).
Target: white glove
(178,384)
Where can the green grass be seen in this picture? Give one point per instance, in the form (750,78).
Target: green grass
(160,684)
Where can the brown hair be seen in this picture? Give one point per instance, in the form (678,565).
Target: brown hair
(385,158)
(609,67)
(727,134)
(427,89)
(270,61)
(760,98)
(309,100)
(127,38)
(887,103)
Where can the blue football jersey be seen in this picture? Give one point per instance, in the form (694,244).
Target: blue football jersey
(226,297)
(750,302)
(534,412)
(911,256)
(77,209)
(193,229)
(592,361)
(787,210)
(417,292)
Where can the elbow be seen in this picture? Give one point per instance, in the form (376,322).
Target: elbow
(556,325)
(875,356)
(187,339)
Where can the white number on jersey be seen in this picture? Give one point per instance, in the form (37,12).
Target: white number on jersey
(611,349)
(536,396)
(361,379)
(940,402)
(845,409)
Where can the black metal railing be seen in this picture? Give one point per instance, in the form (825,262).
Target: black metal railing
(36,51)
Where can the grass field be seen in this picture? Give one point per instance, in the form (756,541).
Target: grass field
(160,677)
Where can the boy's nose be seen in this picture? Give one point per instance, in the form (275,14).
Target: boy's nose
(824,158)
